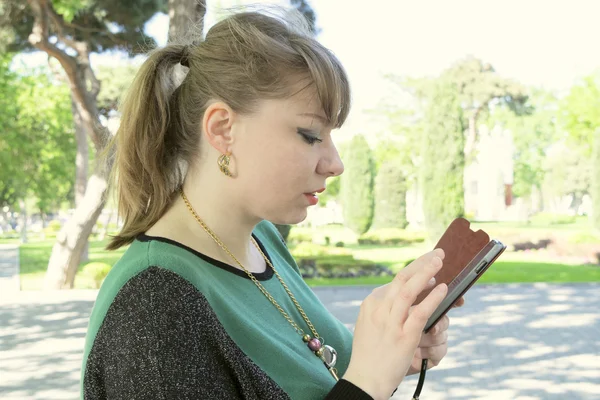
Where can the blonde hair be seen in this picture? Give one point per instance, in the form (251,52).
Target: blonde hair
(244,58)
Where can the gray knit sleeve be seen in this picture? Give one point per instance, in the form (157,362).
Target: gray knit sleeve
(161,339)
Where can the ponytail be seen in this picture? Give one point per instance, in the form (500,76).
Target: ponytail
(244,58)
(146,169)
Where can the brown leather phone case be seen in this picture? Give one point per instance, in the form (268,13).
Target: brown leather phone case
(460,245)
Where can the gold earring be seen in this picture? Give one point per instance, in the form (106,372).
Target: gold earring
(223,163)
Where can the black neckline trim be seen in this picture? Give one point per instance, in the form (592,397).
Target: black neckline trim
(261,276)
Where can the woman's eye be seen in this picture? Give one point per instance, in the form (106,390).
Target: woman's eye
(309,138)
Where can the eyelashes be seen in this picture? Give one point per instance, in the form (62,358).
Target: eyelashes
(309,137)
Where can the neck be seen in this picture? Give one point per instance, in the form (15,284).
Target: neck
(227,220)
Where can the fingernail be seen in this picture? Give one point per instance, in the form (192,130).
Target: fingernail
(440,253)
(431,282)
(441,287)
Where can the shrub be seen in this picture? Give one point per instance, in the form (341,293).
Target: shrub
(551,219)
(391,237)
(97,271)
(296,237)
(333,262)
(584,237)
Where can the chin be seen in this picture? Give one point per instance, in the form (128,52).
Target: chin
(288,219)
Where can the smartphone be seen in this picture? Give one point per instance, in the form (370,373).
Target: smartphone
(466,278)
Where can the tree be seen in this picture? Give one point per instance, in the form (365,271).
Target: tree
(580,116)
(580,112)
(390,197)
(479,86)
(357,185)
(533,133)
(12,175)
(186,16)
(309,14)
(443,159)
(69,31)
(37,145)
(595,186)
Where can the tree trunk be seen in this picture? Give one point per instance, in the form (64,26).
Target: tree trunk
(104,229)
(67,251)
(186,16)
(471,134)
(23,215)
(82,158)
(81,165)
(72,239)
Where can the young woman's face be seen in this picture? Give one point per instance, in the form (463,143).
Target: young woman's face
(283,152)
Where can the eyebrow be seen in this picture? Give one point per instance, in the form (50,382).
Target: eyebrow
(319,117)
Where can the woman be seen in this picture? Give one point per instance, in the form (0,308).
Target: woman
(207,302)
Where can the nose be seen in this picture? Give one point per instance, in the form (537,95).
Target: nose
(330,163)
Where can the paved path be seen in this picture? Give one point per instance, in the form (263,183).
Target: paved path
(508,342)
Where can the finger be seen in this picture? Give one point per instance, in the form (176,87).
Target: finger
(441,326)
(408,272)
(459,303)
(421,313)
(429,340)
(430,284)
(433,354)
(408,292)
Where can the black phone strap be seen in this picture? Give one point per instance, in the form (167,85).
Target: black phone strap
(421,380)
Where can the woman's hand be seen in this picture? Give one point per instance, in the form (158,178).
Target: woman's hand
(433,344)
(387,335)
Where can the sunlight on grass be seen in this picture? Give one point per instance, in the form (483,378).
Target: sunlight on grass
(537,266)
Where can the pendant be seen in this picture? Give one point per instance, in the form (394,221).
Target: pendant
(329,356)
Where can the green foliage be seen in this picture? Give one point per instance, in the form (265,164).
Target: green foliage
(478,84)
(532,134)
(443,160)
(595,186)
(115,81)
(357,185)
(332,192)
(69,8)
(580,112)
(332,261)
(37,145)
(284,230)
(311,250)
(547,219)
(297,236)
(97,271)
(391,237)
(390,197)
(103,24)
(12,185)
(567,171)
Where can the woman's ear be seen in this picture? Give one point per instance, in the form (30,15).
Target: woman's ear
(216,126)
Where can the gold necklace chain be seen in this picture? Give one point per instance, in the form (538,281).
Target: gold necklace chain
(256,282)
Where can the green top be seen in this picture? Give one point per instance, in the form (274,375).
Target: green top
(246,315)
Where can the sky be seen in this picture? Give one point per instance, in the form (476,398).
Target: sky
(547,43)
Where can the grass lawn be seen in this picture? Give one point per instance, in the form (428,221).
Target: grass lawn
(511,268)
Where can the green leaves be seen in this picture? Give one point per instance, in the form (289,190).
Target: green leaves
(70,8)
(580,112)
(357,185)
(37,149)
(443,160)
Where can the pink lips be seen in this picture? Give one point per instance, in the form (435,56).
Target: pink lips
(312,199)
